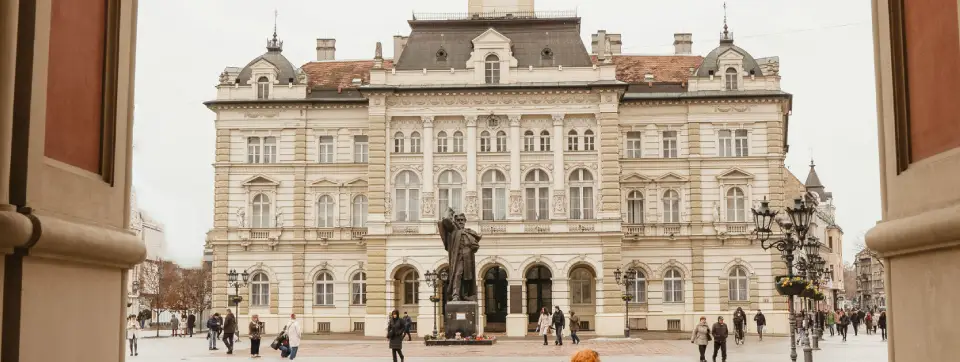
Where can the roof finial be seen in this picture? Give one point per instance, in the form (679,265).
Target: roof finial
(274,45)
(275,14)
(726,34)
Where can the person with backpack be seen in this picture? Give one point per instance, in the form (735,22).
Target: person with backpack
(407,325)
(213,326)
(281,343)
(739,325)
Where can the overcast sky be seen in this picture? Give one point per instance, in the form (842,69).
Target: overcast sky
(825,49)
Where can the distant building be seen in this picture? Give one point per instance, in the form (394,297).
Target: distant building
(151,233)
(870,276)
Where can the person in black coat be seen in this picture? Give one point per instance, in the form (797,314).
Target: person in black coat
(395,329)
(882,324)
(191,324)
(761,322)
(558,323)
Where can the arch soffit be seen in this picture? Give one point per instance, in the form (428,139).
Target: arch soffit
(539,260)
(443,169)
(738,263)
(323,267)
(260,267)
(648,272)
(673,264)
(399,264)
(584,261)
(593,175)
(491,261)
(523,176)
(402,169)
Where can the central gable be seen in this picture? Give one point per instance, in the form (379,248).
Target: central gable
(491,42)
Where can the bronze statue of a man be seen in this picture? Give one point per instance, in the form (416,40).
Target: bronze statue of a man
(461,244)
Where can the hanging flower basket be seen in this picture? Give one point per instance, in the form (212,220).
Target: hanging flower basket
(626,297)
(790,286)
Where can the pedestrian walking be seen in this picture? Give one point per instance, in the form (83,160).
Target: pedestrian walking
(174,325)
(396,330)
(191,324)
(183,325)
(213,328)
(407,325)
(574,327)
(761,322)
(882,323)
(720,333)
(229,328)
(831,319)
(558,323)
(701,337)
(585,355)
(868,323)
(855,319)
(739,325)
(255,329)
(133,333)
(543,325)
(843,323)
(294,333)
(220,321)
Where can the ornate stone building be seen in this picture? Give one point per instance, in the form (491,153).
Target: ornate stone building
(572,161)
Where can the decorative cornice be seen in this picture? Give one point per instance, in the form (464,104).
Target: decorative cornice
(716,101)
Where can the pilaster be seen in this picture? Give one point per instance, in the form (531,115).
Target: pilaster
(299,202)
(698,276)
(609,165)
(377,168)
(223,145)
(219,276)
(612,248)
(298,271)
(376,269)
(559,191)
(696,196)
(221,198)
(471,208)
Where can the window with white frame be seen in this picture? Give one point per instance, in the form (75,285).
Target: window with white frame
(730,77)
(740,143)
(669,144)
(581,286)
(733,143)
(737,282)
(581,194)
(358,289)
(457,141)
(263,88)
(442,142)
(634,144)
(254,149)
(361,149)
(360,211)
(635,207)
(261,211)
(261,149)
(736,205)
(493,194)
(325,212)
(671,206)
(415,142)
(537,189)
(450,187)
(573,142)
(259,289)
(407,187)
(485,142)
(411,288)
(637,288)
(398,142)
(269,149)
(324,289)
(544,140)
(326,149)
(529,141)
(725,143)
(501,141)
(673,286)
(588,140)
(492,69)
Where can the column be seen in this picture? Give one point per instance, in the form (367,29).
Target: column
(470,206)
(427,203)
(559,193)
(516,198)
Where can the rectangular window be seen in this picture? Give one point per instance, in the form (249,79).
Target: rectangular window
(588,141)
(361,149)
(634,144)
(725,143)
(253,150)
(537,203)
(635,212)
(573,142)
(324,294)
(485,144)
(269,149)
(494,202)
(580,292)
(669,144)
(449,198)
(528,143)
(326,149)
(359,294)
(441,144)
(457,142)
(398,144)
(502,142)
(740,143)
(410,291)
(544,141)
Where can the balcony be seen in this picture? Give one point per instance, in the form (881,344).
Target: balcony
(536,227)
(581,226)
(259,234)
(358,233)
(634,230)
(493,227)
(671,229)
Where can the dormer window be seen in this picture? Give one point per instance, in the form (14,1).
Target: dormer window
(492,69)
(441,55)
(263,88)
(546,53)
(731,78)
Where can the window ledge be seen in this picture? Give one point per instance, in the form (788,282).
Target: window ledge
(324,306)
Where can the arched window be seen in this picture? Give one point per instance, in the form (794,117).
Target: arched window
(263,88)
(407,196)
(261,211)
(485,145)
(259,289)
(581,286)
(738,285)
(581,194)
(415,142)
(358,289)
(458,141)
(544,140)
(360,211)
(529,142)
(494,195)
(450,186)
(501,141)
(442,142)
(671,206)
(731,78)
(411,288)
(492,69)
(736,205)
(638,287)
(635,208)
(672,286)
(573,142)
(398,142)
(324,289)
(588,140)
(325,212)
(537,188)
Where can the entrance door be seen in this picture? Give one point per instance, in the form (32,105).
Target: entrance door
(495,295)
(539,292)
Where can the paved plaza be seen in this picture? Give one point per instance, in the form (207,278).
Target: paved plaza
(861,348)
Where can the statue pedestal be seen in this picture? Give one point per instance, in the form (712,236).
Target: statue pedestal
(460,317)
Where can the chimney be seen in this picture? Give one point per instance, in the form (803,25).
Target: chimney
(683,43)
(604,45)
(598,43)
(399,43)
(326,49)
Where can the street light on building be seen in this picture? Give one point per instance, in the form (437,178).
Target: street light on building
(624,279)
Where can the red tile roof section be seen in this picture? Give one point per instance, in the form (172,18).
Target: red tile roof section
(340,74)
(665,68)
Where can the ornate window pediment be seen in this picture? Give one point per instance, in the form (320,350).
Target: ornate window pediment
(325,183)
(357,182)
(260,182)
(671,177)
(735,174)
(635,178)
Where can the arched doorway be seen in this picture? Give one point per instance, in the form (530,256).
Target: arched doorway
(583,287)
(495,298)
(539,291)
(406,291)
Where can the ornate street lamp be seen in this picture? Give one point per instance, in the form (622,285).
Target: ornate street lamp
(624,279)
(236,283)
(431,278)
(794,233)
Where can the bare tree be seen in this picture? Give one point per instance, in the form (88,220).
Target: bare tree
(195,290)
(849,281)
(158,281)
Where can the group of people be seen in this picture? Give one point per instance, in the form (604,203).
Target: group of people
(704,333)
(183,326)
(287,341)
(557,322)
(842,320)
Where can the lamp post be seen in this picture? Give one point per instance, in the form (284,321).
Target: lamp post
(434,280)
(236,283)
(794,232)
(811,265)
(625,279)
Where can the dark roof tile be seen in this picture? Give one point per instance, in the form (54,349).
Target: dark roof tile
(340,73)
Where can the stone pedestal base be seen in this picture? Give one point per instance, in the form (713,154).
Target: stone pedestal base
(609,324)
(516,325)
(375,325)
(460,317)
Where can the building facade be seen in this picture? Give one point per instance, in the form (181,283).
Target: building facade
(572,163)
(870,287)
(824,228)
(150,231)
